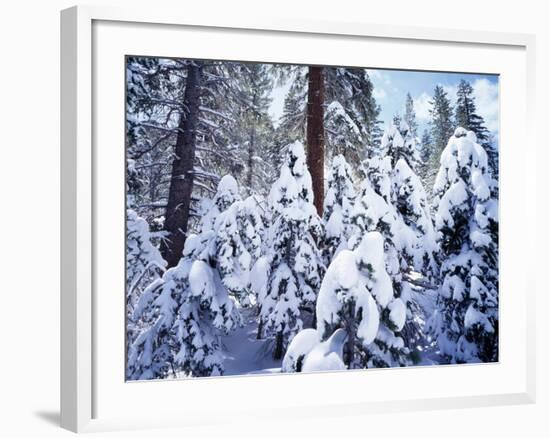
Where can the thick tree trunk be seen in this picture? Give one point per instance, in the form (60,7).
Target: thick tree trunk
(181,186)
(316,134)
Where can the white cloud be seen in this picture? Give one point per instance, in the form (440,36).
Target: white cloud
(486,97)
(422,107)
(451,93)
(378,76)
(379,93)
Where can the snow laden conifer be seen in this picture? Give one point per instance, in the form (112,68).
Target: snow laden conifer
(295,262)
(399,142)
(414,225)
(144,264)
(373,212)
(466,320)
(187,311)
(337,210)
(413,233)
(357,295)
(232,232)
(143,260)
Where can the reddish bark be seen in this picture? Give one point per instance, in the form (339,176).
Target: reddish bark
(315,134)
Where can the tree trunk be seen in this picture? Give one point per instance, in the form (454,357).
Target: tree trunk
(349,348)
(260,328)
(316,134)
(278,352)
(181,186)
(250,174)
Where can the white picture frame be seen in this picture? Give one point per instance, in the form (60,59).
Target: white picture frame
(87,396)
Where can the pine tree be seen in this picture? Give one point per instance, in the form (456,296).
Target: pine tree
(466,320)
(144,265)
(425,171)
(296,265)
(398,142)
(373,211)
(292,126)
(357,113)
(143,260)
(410,115)
(466,117)
(413,233)
(185,313)
(357,295)
(393,202)
(338,207)
(441,123)
(253,129)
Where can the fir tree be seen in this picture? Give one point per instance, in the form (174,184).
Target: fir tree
(466,116)
(398,142)
(255,129)
(338,207)
(185,313)
(143,260)
(466,320)
(441,123)
(357,296)
(425,170)
(373,211)
(296,265)
(410,115)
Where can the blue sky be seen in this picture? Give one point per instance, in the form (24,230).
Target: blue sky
(391,87)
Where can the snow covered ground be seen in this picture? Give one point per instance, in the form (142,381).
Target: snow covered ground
(244,354)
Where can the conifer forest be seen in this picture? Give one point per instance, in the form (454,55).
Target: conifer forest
(293,218)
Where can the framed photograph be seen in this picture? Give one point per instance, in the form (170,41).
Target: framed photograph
(301,217)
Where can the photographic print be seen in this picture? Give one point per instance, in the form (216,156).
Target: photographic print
(302,218)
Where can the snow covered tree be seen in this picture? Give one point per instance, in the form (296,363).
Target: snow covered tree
(357,296)
(393,202)
(144,265)
(466,321)
(292,126)
(185,313)
(232,229)
(374,212)
(441,123)
(296,265)
(467,117)
(338,206)
(143,260)
(253,129)
(398,142)
(425,170)
(414,225)
(410,115)
(352,127)
(466,112)
(341,131)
